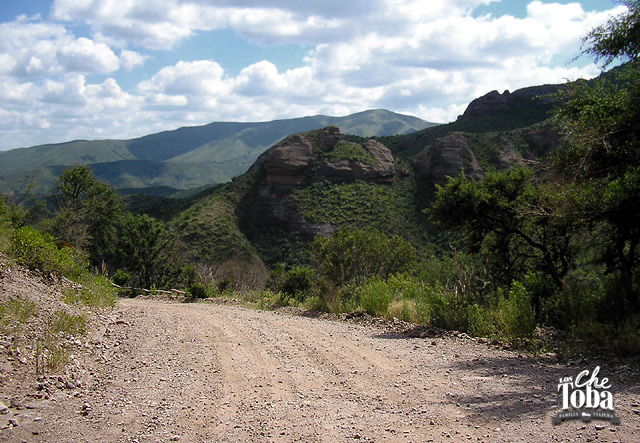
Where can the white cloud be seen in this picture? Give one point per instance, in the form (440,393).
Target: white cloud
(36,49)
(197,79)
(427,58)
(131,59)
(83,55)
(160,24)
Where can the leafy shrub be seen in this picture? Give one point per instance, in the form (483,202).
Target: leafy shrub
(269,299)
(404,309)
(38,251)
(224,284)
(198,290)
(510,319)
(352,257)
(297,282)
(375,296)
(445,308)
(315,303)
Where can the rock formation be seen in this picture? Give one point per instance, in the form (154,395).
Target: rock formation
(448,157)
(494,101)
(302,159)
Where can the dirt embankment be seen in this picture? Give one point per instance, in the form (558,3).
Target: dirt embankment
(154,371)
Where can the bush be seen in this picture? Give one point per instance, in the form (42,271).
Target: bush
(224,284)
(269,299)
(375,296)
(405,309)
(198,290)
(445,308)
(510,319)
(297,282)
(38,251)
(315,303)
(352,257)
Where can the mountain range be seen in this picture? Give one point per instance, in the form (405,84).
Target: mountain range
(185,158)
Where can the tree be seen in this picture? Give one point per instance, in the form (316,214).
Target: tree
(618,39)
(509,217)
(352,257)
(88,213)
(72,188)
(601,153)
(147,250)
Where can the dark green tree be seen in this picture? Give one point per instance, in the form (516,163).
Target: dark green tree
(601,154)
(148,251)
(619,39)
(88,213)
(509,217)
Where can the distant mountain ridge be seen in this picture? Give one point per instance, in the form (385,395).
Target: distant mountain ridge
(184,158)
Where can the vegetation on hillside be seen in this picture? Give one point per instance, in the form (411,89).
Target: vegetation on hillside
(40,327)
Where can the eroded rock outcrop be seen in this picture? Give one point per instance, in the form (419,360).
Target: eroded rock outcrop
(507,101)
(302,159)
(448,157)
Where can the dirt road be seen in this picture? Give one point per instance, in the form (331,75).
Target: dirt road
(159,371)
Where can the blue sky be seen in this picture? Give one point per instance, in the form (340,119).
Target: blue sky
(94,69)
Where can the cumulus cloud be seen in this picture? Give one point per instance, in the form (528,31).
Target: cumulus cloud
(34,49)
(131,59)
(83,55)
(427,58)
(160,24)
(197,79)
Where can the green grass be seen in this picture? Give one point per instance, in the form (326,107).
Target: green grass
(69,324)
(97,292)
(56,357)
(17,310)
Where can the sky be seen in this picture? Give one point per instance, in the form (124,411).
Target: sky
(97,69)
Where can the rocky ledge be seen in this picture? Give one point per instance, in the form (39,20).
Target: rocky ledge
(507,101)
